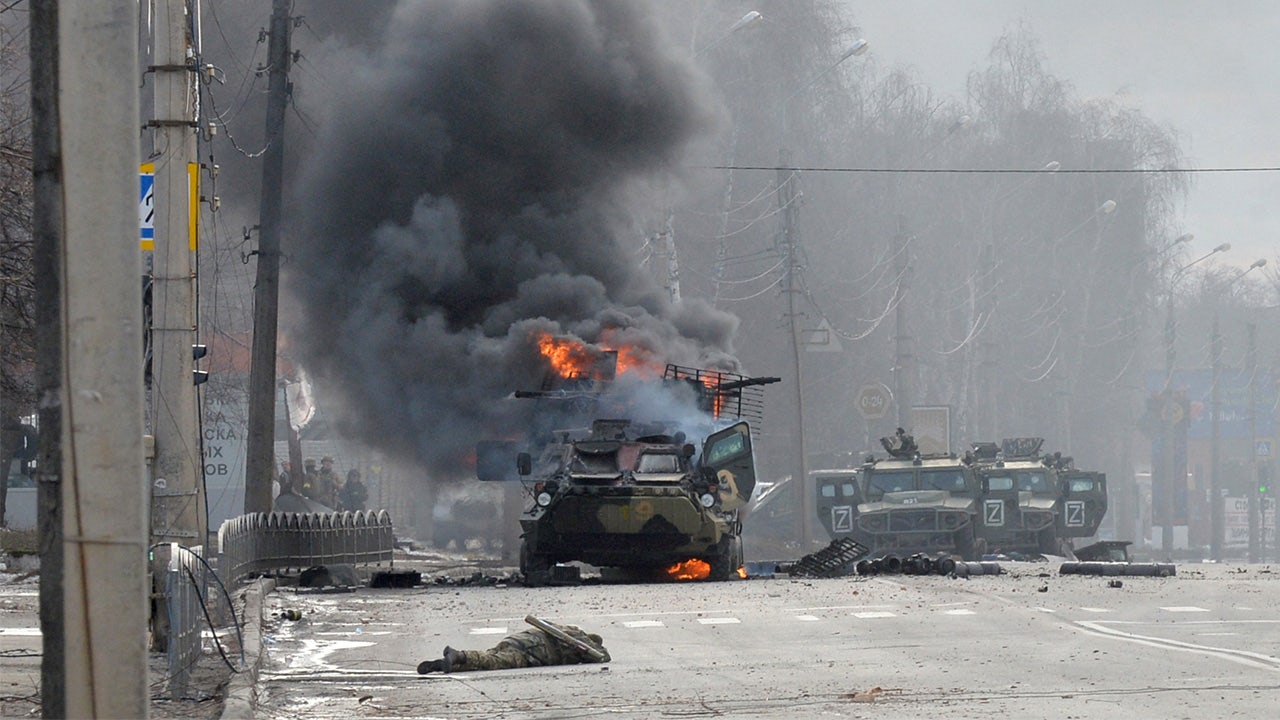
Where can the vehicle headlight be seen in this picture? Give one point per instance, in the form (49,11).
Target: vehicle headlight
(707,500)
(544,498)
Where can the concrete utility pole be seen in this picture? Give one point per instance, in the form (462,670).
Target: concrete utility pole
(177,492)
(903,367)
(93,500)
(260,444)
(1215,440)
(1256,539)
(788,205)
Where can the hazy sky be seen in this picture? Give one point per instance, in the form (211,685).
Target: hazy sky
(1207,69)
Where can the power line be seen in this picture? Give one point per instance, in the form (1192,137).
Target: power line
(991,171)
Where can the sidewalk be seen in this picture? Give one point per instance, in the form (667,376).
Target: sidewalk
(214,691)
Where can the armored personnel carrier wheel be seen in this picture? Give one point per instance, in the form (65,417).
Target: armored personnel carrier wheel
(536,568)
(724,566)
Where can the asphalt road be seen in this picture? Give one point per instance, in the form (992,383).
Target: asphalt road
(1029,644)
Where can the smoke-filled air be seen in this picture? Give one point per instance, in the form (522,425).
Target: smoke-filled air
(464,202)
(477,190)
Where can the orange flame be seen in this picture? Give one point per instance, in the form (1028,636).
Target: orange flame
(691,569)
(569,358)
(631,358)
(717,400)
(574,358)
(742,572)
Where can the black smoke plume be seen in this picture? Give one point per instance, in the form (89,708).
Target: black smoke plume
(476,183)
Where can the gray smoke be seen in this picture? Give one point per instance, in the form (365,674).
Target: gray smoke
(476,183)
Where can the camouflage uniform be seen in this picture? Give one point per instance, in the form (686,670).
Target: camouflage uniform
(326,484)
(530,648)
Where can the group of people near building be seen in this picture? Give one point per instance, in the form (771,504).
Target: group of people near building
(324,485)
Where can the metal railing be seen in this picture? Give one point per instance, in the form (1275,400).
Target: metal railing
(193,598)
(270,541)
(196,595)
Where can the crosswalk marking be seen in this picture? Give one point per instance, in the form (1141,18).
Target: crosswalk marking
(1184,609)
(719,621)
(961,611)
(1044,610)
(642,623)
(807,618)
(875,614)
(1095,610)
(489,631)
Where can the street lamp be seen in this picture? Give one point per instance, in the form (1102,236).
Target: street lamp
(788,241)
(1215,435)
(746,21)
(1167,410)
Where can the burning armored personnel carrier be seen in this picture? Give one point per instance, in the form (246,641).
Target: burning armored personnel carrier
(646,494)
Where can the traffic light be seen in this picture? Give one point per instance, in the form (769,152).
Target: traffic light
(199,376)
(1264,479)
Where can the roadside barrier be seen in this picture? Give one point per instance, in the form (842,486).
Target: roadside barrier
(259,542)
(197,596)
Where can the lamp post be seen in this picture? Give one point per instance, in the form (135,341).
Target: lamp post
(1168,411)
(1215,436)
(788,242)
(746,21)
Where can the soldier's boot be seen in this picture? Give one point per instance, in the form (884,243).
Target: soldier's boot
(430,666)
(452,659)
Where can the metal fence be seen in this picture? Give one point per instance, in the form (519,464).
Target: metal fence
(271,541)
(194,598)
(196,595)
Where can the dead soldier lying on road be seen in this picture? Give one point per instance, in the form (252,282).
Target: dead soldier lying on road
(544,644)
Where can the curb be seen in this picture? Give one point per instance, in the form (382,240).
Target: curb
(242,690)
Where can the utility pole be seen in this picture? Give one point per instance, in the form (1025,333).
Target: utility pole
(672,282)
(902,358)
(93,504)
(177,513)
(1256,539)
(788,205)
(1168,424)
(260,445)
(1215,439)
(989,360)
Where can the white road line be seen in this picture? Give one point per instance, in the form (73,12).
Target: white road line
(1242,657)
(962,611)
(1184,609)
(874,614)
(489,631)
(1095,610)
(838,607)
(642,623)
(1044,609)
(719,621)
(808,618)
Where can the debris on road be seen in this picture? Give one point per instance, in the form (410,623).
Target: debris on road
(1118,568)
(865,696)
(834,560)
